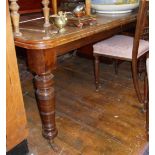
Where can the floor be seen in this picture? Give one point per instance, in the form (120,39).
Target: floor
(108,122)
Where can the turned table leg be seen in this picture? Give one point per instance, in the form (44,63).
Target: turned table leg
(42,62)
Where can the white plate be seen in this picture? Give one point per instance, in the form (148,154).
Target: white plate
(122,8)
(113,12)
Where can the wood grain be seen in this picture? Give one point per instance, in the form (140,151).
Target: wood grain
(90,123)
(105,24)
(16,123)
(39,49)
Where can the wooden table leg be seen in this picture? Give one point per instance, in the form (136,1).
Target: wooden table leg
(42,62)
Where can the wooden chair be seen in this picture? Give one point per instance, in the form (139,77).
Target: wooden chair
(125,48)
(147,104)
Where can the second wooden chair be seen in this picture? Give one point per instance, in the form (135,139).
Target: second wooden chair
(125,48)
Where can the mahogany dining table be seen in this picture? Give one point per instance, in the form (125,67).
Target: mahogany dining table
(44,44)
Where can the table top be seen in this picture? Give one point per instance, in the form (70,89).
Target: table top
(35,36)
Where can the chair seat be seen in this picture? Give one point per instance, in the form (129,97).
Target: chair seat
(120,46)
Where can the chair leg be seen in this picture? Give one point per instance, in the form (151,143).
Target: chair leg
(147,121)
(146,104)
(135,81)
(141,67)
(97,72)
(116,66)
(145,92)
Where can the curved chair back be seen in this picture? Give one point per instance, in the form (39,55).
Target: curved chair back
(140,32)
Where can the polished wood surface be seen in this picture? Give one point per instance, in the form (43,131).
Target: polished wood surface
(43,63)
(108,122)
(105,24)
(16,123)
(42,55)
